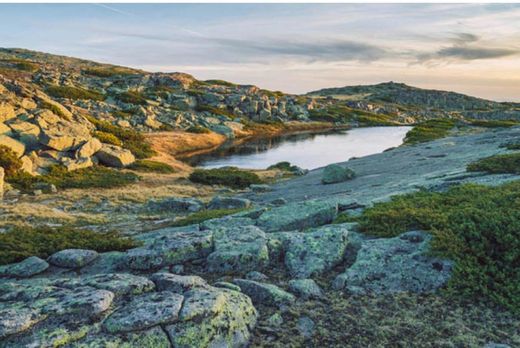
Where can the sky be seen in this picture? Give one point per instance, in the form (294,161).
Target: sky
(295,48)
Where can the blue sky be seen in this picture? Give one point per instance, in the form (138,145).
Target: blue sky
(471,48)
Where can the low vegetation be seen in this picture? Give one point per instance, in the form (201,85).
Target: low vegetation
(220,83)
(198,130)
(107,138)
(70,92)
(92,177)
(201,216)
(497,164)
(215,111)
(9,161)
(429,130)
(132,97)
(347,115)
(131,139)
(232,177)
(108,71)
(494,123)
(476,226)
(512,146)
(148,166)
(54,108)
(22,242)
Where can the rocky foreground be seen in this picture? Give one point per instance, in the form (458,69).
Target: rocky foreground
(214,284)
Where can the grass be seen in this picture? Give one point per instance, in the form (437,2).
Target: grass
(54,108)
(107,138)
(131,139)
(9,161)
(215,111)
(22,242)
(497,164)
(108,71)
(494,123)
(148,166)
(512,146)
(220,83)
(198,130)
(204,215)
(70,92)
(132,97)
(231,177)
(345,114)
(92,177)
(476,226)
(429,130)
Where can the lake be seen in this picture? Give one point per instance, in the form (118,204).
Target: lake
(307,150)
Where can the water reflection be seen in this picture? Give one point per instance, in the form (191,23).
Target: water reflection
(307,150)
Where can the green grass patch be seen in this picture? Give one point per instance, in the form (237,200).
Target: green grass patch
(92,177)
(22,242)
(131,139)
(231,177)
(132,97)
(345,114)
(201,216)
(197,130)
(497,164)
(148,166)
(220,83)
(54,108)
(494,123)
(9,161)
(108,71)
(476,226)
(70,92)
(429,130)
(512,146)
(107,138)
(215,111)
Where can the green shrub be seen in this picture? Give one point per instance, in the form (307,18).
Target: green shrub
(122,114)
(132,97)
(131,139)
(108,71)
(151,167)
(92,177)
(107,138)
(70,92)
(198,130)
(497,164)
(476,226)
(215,111)
(231,177)
(204,215)
(494,123)
(22,242)
(54,108)
(285,166)
(27,66)
(429,130)
(220,83)
(9,161)
(512,146)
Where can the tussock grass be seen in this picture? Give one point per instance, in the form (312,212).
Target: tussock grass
(497,164)
(429,130)
(231,177)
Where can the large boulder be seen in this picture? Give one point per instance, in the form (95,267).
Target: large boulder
(88,148)
(26,132)
(178,284)
(389,265)
(6,112)
(73,258)
(229,203)
(59,133)
(27,268)
(334,173)
(15,145)
(238,249)
(306,289)
(115,156)
(175,205)
(298,216)
(264,293)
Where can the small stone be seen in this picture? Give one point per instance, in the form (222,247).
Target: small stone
(73,258)
(306,327)
(27,268)
(264,293)
(228,203)
(305,288)
(37,192)
(278,202)
(15,320)
(275,320)
(258,188)
(334,173)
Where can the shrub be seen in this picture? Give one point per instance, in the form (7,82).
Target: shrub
(122,114)
(9,161)
(70,92)
(285,166)
(54,108)
(108,71)
(494,123)
(27,66)
(220,83)
(204,215)
(476,226)
(198,130)
(92,177)
(107,138)
(22,242)
(512,146)
(215,111)
(497,164)
(131,97)
(151,167)
(231,177)
(429,130)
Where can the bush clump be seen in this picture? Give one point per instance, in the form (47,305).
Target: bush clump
(494,123)
(9,161)
(232,177)
(108,71)
(131,139)
(497,164)
(429,130)
(148,166)
(197,130)
(215,111)
(70,92)
(476,226)
(200,216)
(22,242)
(132,97)
(107,138)
(92,177)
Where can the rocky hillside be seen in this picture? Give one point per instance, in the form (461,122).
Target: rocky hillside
(60,110)
(417,103)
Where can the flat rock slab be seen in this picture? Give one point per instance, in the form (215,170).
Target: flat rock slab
(264,293)
(390,265)
(297,216)
(238,249)
(119,283)
(145,311)
(175,205)
(229,203)
(73,258)
(177,283)
(27,268)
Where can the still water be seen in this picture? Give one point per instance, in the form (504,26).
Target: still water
(308,150)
